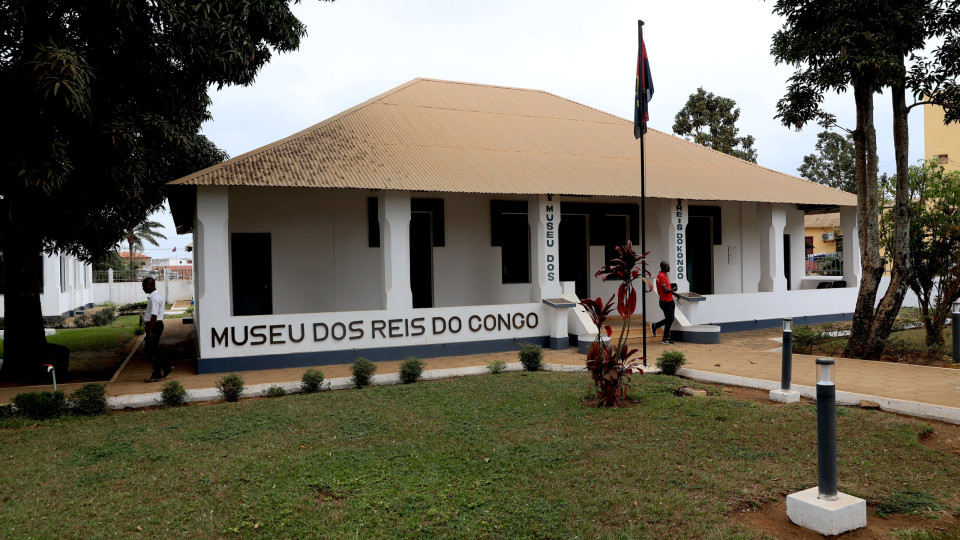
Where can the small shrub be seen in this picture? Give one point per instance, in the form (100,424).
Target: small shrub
(670,361)
(83,321)
(312,381)
(497,366)
(89,400)
(230,387)
(362,370)
(132,309)
(40,405)
(275,391)
(6,411)
(104,316)
(53,321)
(805,338)
(173,394)
(411,370)
(531,356)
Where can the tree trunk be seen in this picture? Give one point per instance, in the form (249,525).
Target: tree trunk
(865,142)
(130,253)
(892,300)
(24,344)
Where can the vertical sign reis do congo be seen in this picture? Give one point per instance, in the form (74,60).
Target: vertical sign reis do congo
(681,270)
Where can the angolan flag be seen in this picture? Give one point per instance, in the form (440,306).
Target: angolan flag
(644,90)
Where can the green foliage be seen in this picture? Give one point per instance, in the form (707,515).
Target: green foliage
(230,387)
(934,241)
(110,261)
(275,391)
(805,338)
(40,405)
(104,316)
(173,394)
(531,356)
(132,309)
(834,163)
(362,372)
(6,411)
(411,370)
(312,381)
(908,502)
(89,400)
(669,362)
(53,321)
(83,321)
(110,101)
(710,121)
(497,366)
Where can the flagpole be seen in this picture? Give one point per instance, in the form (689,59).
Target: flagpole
(643,207)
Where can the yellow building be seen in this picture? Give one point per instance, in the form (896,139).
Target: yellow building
(940,143)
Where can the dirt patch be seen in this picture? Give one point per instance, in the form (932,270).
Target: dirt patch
(771,518)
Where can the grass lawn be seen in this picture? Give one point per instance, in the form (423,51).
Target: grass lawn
(506,456)
(95,338)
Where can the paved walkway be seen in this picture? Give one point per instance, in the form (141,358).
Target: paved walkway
(744,358)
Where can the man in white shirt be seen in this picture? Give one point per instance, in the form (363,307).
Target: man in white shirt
(153,320)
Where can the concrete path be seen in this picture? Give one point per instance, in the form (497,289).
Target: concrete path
(744,359)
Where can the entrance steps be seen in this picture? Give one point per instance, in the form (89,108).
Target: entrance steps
(691,333)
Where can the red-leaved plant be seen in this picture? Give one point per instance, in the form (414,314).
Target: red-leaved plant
(610,364)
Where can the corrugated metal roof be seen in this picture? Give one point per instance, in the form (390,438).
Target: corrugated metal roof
(431,135)
(818,221)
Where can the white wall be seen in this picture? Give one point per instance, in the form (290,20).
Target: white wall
(130,292)
(321,261)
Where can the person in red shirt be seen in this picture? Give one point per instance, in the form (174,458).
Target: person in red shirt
(665,291)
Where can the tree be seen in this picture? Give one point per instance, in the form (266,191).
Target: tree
(934,242)
(836,44)
(834,164)
(111,261)
(109,100)
(710,121)
(145,231)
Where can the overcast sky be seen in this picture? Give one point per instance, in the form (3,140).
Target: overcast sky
(583,51)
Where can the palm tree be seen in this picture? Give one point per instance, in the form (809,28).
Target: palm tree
(145,231)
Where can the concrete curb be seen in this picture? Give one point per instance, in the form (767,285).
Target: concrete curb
(901,406)
(910,408)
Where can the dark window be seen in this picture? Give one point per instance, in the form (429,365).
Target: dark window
(616,230)
(510,229)
(373,222)
(808,244)
(712,212)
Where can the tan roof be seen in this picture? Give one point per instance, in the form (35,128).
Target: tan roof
(430,135)
(822,221)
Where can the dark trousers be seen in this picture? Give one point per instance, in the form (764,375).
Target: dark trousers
(159,362)
(667,321)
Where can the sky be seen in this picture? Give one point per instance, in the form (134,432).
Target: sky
(583,51)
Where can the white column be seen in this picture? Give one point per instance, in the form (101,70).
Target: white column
(749,248)
(676,216)
(394,209)
(212,244)
(851,246)
(544,217)
(771,221)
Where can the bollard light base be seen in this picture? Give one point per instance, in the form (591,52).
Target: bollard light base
(785,396)
(830,518)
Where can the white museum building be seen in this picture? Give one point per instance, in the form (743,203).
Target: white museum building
(445,218)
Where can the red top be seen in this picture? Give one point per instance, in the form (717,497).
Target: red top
(663,283)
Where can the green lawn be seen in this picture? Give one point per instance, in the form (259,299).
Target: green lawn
(95,338)
(498,456)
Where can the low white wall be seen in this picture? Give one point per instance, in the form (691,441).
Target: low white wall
(726,308)
(132,292)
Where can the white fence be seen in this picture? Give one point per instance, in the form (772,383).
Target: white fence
(129,292)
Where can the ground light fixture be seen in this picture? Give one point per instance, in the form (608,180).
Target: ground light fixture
(784,394)
(823,508)
(956,332)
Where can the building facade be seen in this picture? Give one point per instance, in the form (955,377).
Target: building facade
(448,218)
